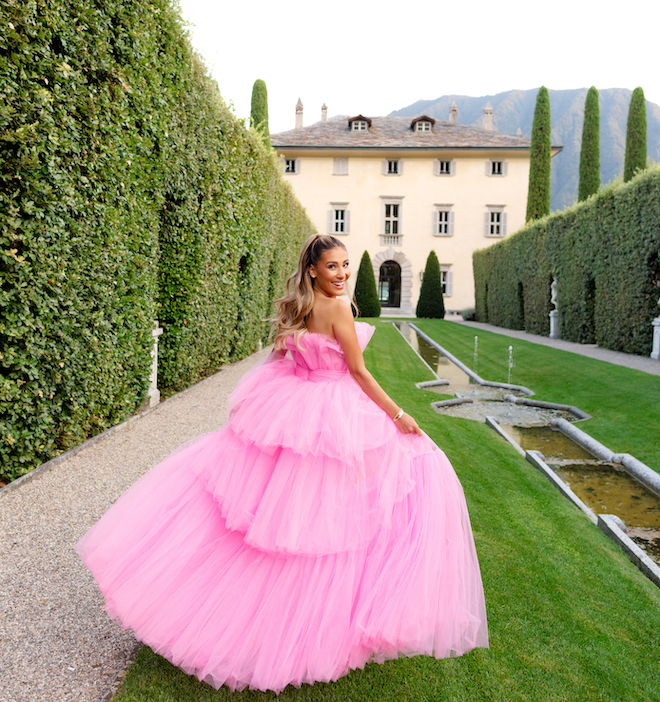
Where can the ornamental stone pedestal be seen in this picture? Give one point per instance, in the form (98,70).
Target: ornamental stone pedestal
(655,353)
(554,314)
(554,324)
(154,392)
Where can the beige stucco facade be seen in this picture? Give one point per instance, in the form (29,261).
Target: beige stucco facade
(357,181)
(470,193)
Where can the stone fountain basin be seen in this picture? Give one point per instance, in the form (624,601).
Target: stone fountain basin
(503,412)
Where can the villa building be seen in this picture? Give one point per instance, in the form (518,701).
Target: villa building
(398,187)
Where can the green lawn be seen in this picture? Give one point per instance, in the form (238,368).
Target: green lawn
(570,617)
(624,403)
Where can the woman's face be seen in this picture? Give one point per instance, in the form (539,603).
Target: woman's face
(331,272)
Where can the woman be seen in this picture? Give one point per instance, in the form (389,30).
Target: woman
(318,530)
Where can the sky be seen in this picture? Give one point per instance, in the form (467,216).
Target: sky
(377,56)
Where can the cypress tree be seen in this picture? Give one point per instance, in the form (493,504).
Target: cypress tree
(635,136)
(259,109)
(590,152)
(365,294)
(431,303)
(538,195)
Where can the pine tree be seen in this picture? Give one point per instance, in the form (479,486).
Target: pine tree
(590,152)
(259,109)
(538,195)
(635,136)
(431,303)
(366,295)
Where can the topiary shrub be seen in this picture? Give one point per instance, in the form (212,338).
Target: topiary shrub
(431,303)
(635,160)
(540,153)
(259,109)
(590,151)
(366,294)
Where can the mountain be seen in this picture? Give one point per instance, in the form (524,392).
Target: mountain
(515,108)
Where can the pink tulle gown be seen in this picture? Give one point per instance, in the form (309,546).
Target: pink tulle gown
(305,538)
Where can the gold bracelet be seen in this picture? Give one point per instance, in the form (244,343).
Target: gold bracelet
(397,416)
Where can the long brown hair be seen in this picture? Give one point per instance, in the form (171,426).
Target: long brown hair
(292,309)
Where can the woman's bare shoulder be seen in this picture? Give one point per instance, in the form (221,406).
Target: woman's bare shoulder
(339,310)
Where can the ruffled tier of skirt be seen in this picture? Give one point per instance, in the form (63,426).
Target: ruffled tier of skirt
(263,568)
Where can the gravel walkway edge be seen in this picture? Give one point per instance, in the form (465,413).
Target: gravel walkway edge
(56,642)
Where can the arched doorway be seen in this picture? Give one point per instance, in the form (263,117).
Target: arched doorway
(389,284)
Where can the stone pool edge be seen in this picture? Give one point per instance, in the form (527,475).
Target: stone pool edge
(477,378)
(607,523)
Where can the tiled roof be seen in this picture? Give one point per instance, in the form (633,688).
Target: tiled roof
(395,133)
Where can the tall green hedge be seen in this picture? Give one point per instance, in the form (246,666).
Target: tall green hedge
(604,254)
(128,193)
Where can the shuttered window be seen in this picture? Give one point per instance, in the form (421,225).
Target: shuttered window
(443,221)
(495,222)
(443,167)
(339,219)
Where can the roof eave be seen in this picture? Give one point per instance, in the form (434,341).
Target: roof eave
(309,147)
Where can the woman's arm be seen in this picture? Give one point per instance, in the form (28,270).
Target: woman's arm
(343,327)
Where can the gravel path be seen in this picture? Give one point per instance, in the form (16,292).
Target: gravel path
(56,642)
(642,363)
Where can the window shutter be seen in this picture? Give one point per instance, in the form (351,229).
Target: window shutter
(436,223)
(399,168)
(297,165)
(449,284)
(487,224)
(451,223)
(384,168)
(503,223)
(347,221)
(505,167)
(452,167)
(400,218)
(436,167)
(331,221)
(489,168)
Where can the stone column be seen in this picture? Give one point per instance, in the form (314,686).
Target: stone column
(154,392)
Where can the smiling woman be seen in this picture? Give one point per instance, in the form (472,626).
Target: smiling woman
(318,530)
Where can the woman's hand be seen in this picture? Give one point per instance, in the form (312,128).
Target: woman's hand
(407,425)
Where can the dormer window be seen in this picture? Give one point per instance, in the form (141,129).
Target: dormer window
(359,124)
(423,124)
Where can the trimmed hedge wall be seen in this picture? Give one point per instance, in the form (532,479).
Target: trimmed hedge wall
(605,256)
(128,193)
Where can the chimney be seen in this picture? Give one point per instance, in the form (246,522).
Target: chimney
(453,113)
(488,117)
(324,113)
(299,109)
